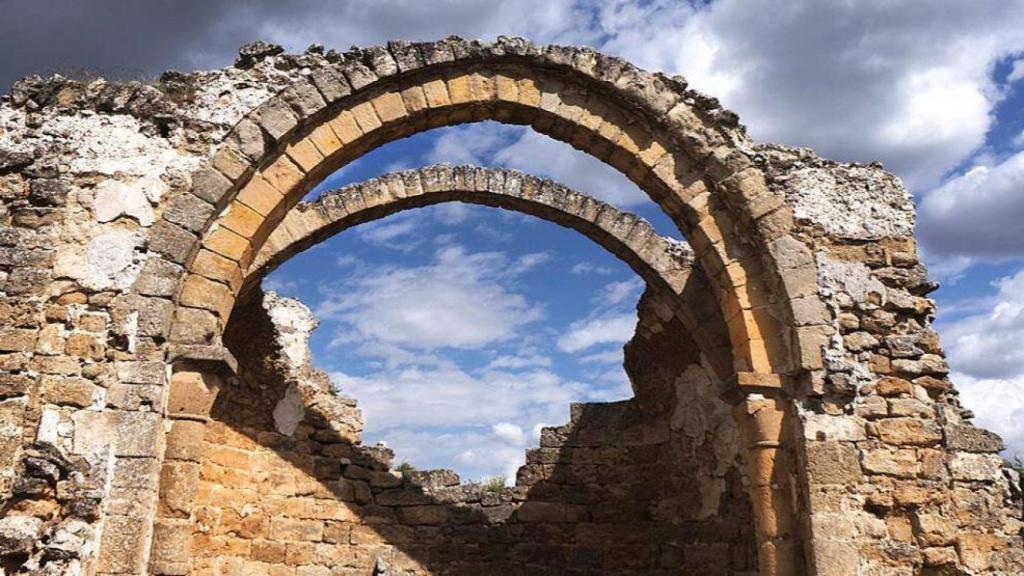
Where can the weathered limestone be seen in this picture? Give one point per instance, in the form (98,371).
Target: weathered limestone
(131,214)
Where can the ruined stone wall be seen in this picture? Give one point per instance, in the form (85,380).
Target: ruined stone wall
(862,462)
(899,481)
(595,498)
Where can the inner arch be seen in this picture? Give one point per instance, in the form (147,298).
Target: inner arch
(666,265)
(678,146)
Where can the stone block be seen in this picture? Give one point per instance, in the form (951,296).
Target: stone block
(899,463)
(934,529)
(174,242)
(217,267)
(908,431)
(192,394)
(136,433)
(259,195)
(201,292)
(178,484)
(132,372)
(194,326)
(189,211)
(123,545)
(185,440)
(975,467)
(892,386)
(275,117)
(171,551)
(241,219)
(833,463)
(210,185)
(296,530)
(68,391)
(305,154)
(823,427)
(85,346)
(967,438)
(17,340)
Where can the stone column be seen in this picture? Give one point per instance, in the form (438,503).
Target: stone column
(197,379)
(762,415)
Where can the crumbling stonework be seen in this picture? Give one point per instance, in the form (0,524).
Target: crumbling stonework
(595,497)
(132,216)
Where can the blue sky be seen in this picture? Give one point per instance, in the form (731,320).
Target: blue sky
(934,89)
(875,82)
(462,329)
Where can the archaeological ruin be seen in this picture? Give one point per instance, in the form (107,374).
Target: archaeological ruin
(160,413)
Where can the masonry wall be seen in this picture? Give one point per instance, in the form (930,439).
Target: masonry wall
(105,189)
(651,485)
(899,480)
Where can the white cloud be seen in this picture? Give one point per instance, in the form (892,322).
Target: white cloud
(510,433)
(519,362)
(616,293)
(1017,72)
(998,405)
(978,214)
(987,359)
(986,344)
(493,144)
(590,268)
(439,416)
(388,230)
(458,300)
(604,329)
(907,83)
(610,356)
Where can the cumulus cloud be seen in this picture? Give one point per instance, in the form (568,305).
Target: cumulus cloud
(435,416)
(998,406)
(977,215)
(985,353)
(615,293)
(144,38)
(1017,72)
(401,305)
(605,329)
(493,144)
(986,343)
(909,84)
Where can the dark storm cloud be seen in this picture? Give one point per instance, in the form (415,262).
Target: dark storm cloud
(132,38)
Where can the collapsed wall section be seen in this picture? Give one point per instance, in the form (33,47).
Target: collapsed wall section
(278,491)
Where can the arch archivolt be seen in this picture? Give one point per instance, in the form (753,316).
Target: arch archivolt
(665,265)
(311,137)
(678,146)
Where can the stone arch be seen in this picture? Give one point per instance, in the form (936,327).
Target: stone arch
(679,146)
(666,265)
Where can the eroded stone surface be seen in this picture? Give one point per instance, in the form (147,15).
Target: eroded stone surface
(820,305)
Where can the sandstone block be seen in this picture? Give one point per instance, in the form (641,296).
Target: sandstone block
(934,530)
(908,431)
(194,326)
(966,438)
(17,340)
(975,467)
(121,549)
(833,463)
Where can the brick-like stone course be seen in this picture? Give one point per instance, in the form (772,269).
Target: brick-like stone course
(809,302)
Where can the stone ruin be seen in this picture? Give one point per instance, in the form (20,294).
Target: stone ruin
(159,413)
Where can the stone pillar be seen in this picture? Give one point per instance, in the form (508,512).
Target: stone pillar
(762,417)
(194,386)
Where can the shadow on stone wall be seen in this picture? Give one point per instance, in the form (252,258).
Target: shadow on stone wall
(649,485)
